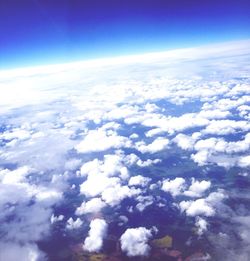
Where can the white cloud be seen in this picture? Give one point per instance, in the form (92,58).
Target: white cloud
(244,161)
(226,104)
(197,188)
(203,206)
(139,181)
(206,144)
(201,225)
(31,224)
(15,176)
(17,133)
(214,114)
(121,112)
(221,152)
(123,220)
(244,111)
(154,132)
(175,187)
(148,162)
(157,145)
(91,167)
(143,202)
(44,135)
(71,224)
(102,175)
(100,140)
(40,148)
(72,164)
(48,195)
(216,197)
(96,184)
(92,206)
(151,107)
(30,205)
(110,166)
(225,127)
(201,157)
(175,124)
(197,207)
(54,219)
(115,194)
(12,251)
(134,136)
(186,142)
(97,232)
(134,241)
(132,159)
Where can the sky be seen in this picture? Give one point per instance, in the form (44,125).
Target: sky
(35,32)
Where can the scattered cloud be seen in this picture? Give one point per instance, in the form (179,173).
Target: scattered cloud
(157,145)
(94,205)
(97,232)
(143,202)
(101,140)
(175,187)
(115,194)
(96,184)
(197,207)
(71,224)
(139,181)
(201,225)
(134,241)
(54,219)
(197,188)
(203,206)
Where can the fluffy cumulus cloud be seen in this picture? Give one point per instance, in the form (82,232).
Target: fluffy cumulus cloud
(170,125)
(54,219)
(97,232)
(16,176)
(96,184)
(244,161)
(101,140)
(202,206)
(114,195)
(134,241)
(139,181)
(197,188)
(143,202)
(215,150)
(107,179)
(92,206)
(132,159)
(186,142)
(224,127)
(73,224)
(175,187)
(100,174)
(201,225)
(179,186)
(157,145)
(148,162)
(197,207)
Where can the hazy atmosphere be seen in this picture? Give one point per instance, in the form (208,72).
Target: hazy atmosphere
(124,130)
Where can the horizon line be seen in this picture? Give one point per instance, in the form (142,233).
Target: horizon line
(181,53)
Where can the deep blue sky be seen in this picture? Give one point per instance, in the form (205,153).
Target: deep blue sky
(53,31)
